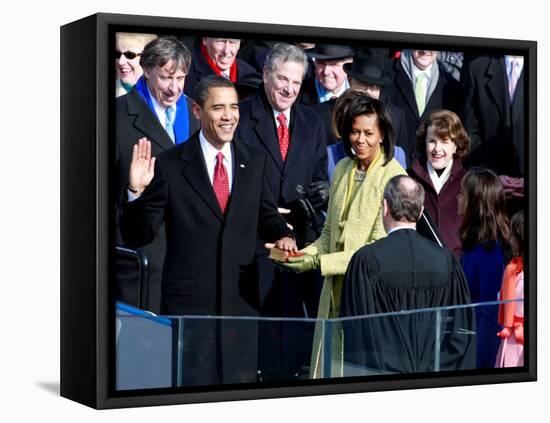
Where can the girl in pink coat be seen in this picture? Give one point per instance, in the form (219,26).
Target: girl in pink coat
(510,352)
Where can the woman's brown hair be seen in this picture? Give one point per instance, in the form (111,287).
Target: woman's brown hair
(446,124)
(484,210)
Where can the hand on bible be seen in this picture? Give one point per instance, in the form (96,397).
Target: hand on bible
(301,263)
(142,167)
(286,243)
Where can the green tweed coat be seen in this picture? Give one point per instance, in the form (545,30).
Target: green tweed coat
(363,226)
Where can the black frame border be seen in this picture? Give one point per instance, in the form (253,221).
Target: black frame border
(87,363)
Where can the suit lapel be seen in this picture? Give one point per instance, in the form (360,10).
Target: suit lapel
(264,128)
(147,122)
(241,175)
(434,102)
(497,87)
(404,84)
(517,105)
(194,171)
(297,135)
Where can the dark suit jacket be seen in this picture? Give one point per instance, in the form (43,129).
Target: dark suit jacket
(401,94)
(308,92)
(306,160)
(134,120)
(209,267)
(405,271)
(208,254)
(495,126)
(200,68)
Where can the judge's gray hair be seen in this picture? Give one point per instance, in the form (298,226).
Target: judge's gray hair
(405,198)
(283,53)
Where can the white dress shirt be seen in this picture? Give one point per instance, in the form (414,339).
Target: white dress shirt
(160,111)
(427,72)
(286,113)
(210,157)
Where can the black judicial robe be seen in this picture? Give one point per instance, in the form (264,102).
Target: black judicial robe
(405,271)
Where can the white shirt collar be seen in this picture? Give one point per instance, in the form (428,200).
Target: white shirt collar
(398,228)
(286,113)
(439,180)
(427,71)
(160,110)
(508,62)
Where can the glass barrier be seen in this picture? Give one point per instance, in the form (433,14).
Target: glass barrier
(180,351)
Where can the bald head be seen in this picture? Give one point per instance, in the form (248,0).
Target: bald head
(403,200)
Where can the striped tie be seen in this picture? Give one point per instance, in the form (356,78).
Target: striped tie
(170,115)
(513,79)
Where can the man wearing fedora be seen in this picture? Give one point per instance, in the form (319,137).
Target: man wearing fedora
(329,80)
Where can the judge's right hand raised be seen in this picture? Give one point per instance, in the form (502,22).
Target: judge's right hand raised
(142,168)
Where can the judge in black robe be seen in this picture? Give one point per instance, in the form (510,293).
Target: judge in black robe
(397,274)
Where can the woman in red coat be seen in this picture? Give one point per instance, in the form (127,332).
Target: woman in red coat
(442,143)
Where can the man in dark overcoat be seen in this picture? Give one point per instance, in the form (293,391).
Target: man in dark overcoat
(293,138)
(213,195)
(143,113)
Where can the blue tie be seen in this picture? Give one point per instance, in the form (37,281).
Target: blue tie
(170,116)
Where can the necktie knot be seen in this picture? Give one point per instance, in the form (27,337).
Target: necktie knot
(170,114)
(220,157)
(282,132)
(421,77)
(170,117)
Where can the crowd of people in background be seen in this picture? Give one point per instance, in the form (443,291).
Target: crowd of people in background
(328,133)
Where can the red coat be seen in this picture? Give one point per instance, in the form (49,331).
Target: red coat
(442,207)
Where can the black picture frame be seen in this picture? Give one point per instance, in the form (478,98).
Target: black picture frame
(86,239)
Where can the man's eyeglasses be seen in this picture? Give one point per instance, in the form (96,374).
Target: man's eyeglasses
(128,54)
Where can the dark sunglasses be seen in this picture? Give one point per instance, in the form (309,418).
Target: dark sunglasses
(128,54)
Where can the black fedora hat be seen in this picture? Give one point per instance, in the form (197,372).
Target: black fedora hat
(369,66)
(330,52)
(248,85)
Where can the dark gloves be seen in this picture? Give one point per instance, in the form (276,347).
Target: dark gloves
(313,203)
(318,194)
